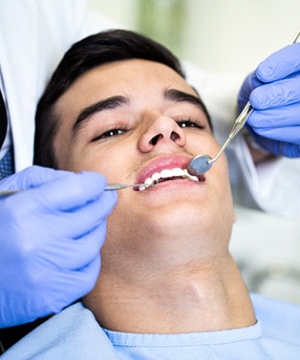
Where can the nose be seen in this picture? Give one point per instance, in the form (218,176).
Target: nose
(162,131)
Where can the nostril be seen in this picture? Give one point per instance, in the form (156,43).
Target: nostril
(174,136)
(155,139)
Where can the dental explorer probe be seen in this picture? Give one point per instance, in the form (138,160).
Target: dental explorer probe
(202,163)
(107,187)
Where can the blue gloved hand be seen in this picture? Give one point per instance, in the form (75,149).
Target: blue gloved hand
(50,241)
(274,92)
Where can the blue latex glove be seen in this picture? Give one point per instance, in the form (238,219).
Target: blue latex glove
(50,241)
(274,92)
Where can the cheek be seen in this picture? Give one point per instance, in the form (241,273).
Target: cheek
(203,143)
(219,174)
(108,162)
(71,160)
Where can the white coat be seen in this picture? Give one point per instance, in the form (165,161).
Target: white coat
(34,35)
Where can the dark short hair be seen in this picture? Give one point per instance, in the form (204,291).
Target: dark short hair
(94,50)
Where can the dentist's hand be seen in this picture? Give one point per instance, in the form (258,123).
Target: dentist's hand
(274,92)
(50,241)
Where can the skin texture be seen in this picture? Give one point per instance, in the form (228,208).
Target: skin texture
(165,263)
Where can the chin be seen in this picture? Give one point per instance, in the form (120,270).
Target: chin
(181,217)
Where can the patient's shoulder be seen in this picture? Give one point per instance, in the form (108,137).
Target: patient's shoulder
(279,319)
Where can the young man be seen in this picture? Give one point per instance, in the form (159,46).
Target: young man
(168,288)
(38,32)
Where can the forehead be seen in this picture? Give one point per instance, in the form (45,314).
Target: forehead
(141,77)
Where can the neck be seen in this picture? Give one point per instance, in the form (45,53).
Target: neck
(193,298)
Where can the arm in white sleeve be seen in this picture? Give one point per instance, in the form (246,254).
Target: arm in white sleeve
(39,33)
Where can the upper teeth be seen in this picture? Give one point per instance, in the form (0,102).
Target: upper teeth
(164,174)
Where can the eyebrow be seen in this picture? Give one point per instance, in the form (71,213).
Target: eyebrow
(180,96)
(106,104)
(117,101)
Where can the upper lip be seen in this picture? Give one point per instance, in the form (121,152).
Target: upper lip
(163,162)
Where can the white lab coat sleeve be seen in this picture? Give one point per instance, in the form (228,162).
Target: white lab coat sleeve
(34,35)
(272,186)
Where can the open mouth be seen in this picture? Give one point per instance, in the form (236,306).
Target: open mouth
(167,175)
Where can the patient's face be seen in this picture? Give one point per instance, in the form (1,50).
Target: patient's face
(137,121)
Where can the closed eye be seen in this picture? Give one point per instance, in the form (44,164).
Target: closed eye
(109,134)
(189,124)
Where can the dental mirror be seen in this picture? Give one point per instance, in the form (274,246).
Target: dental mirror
(202,163)
(199,165)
